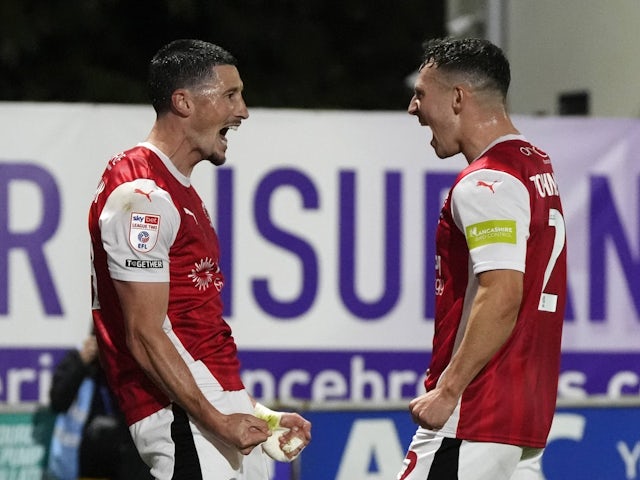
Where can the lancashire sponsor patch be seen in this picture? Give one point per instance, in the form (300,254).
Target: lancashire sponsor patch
(491,231)
(134,263)
(143,231)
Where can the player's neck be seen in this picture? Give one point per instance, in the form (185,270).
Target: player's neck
(484,131)
(172,143)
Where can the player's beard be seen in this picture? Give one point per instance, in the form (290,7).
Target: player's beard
(217,159)
(218,153)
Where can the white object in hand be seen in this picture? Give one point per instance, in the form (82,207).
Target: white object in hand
(272,446)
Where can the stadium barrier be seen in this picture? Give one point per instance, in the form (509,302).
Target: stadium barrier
(595,438)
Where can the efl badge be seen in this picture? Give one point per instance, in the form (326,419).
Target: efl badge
(143,231)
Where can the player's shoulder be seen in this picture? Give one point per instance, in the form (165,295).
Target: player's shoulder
(131,176)
(486,182)
(516,158)
(133,162)
(139,198)
(130,166)
(518,155)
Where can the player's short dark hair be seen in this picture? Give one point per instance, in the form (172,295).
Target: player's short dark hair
(182,63)
(478,59)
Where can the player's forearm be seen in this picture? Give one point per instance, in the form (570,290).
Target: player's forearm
(160,360)
(492,320)
(154,352)
(476,350)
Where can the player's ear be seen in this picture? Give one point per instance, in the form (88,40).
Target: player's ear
(458,98)
(182,102)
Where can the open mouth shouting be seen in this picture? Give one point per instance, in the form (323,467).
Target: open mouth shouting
(223,131)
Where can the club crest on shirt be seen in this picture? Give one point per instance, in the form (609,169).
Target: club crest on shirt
(202,275)
(143,231)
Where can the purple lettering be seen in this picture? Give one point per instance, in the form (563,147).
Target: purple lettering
(288,241)
(33,242)
(606,229)
(392,259)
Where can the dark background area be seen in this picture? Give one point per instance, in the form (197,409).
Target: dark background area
(335,54)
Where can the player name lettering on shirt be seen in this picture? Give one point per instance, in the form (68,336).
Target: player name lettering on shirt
(545,184)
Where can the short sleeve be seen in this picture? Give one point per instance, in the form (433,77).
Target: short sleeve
(492,209)
(138,225)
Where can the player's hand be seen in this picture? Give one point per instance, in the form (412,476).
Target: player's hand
(432,409)
(299,429)
(243,431)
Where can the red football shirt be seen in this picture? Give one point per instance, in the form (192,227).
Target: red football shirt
(148,224)
(503,212)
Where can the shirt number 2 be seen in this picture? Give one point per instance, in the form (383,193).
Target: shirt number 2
(549,301)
